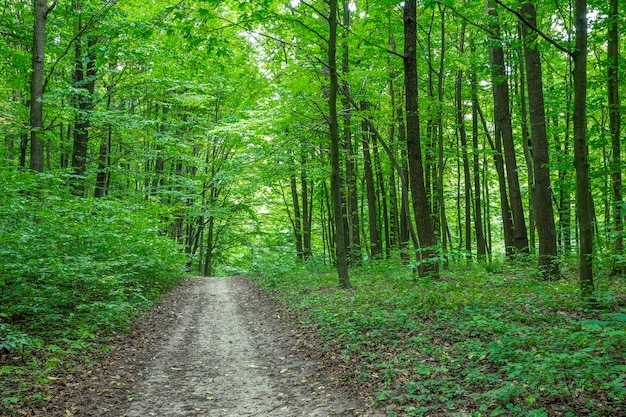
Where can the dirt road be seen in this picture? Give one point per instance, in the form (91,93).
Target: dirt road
(215,348)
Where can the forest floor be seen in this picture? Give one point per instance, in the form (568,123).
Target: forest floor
(214,347)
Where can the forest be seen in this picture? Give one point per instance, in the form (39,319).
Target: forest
(434,187)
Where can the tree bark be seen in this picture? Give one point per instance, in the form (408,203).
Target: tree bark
(460,121)
(353,237)
(297,218)
(335,177)
(542,192)
(84,83)
(307,208)
(36,85)
(375,248)
(505,210)
(427,251)
(481,247)
(584,201)
(502,115)
(615,127)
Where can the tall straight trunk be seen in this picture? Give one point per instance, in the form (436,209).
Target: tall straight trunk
(297,217)
(615,126)
(565,187)
(335,177)
(40,12)
(426,235)
(443,221)
(84,82)
(505,210)
(104,160)
(584,201)
(208,257)
(375,247)
(460,120)
(503,124)
(307,252)
(382,194)
(405,216)
(526,143)
(481,248)
(542,193)
(352,206)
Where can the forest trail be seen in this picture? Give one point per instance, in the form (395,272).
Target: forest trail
(222,351)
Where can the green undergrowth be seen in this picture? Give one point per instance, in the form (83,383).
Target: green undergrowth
(72,272)
(472,343)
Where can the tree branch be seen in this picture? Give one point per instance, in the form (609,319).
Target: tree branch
(535,29)
(88,25)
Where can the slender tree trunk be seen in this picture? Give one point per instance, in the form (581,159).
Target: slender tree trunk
(336,186)
(353,237)
(208,259)
(405,216)
(615,126)
(503,125)
(375,248)
(104,160)
(441,205)
(297,218)
(481,248)
(425,231)
(85,81)
(460,120)
(382,202)
(507,224)
(542,192)
(526,144)
(584,201)
(306,208)
(36,84)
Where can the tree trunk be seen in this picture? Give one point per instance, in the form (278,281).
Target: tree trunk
(354,237)
(542,192)
(36,85)
(104,161)
(382,194)
(427,240)
(460,120)
(481,247)
(335,177)
(84,83)
(375,248)
(306,208)
(507,224)
(615,126)
(526,144)
(297,218)
(503,124)
(584,201)
(441,201)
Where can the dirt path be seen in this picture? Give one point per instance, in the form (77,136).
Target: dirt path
(216,348)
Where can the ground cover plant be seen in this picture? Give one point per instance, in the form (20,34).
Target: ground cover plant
(470,343)
(72,271)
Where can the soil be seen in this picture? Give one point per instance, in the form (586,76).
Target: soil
(215,347)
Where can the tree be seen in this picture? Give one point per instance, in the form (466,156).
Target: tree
(584,200)
(542,193)
(502,115)
(427,240)
(40,12)
(615,127)
(336,183)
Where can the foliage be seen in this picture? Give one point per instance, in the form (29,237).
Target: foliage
(472,342)
(72,270)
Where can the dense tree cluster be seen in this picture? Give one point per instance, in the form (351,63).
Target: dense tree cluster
(433,131)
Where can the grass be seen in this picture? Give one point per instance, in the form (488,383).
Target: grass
(472,343)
